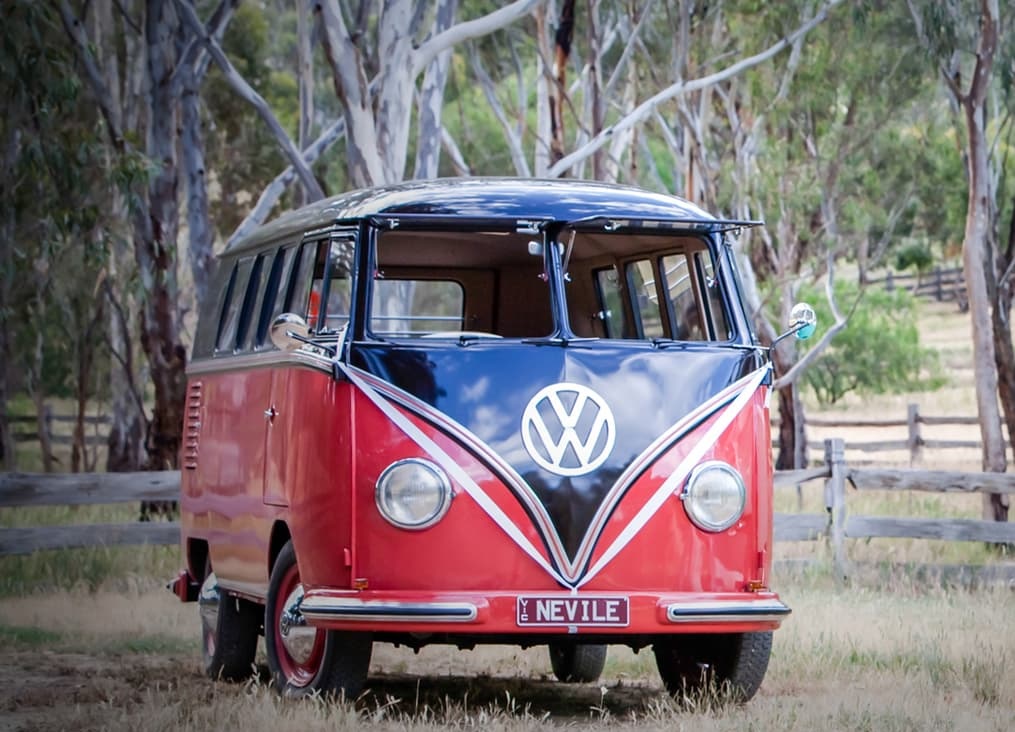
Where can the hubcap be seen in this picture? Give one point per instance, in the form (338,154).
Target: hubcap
(297,637)
(299,647)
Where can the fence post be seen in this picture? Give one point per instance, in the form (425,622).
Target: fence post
(938,285)
(835,504)
(889,281)
(914,440)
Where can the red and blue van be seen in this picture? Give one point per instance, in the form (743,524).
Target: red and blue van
(481,411)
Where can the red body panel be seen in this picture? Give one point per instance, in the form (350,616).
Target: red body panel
(314,461)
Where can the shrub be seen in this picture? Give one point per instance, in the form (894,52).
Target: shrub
(877,352)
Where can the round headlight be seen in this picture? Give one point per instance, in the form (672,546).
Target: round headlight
(714,497)
(413,494)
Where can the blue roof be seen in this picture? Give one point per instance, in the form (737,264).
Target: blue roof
(564,200)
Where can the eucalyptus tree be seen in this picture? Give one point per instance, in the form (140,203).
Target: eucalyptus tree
(163,56)
(971,45)
(807,143)
(53,188)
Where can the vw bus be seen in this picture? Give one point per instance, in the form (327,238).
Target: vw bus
(481,411)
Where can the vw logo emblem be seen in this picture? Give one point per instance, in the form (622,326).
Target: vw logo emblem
(568,429)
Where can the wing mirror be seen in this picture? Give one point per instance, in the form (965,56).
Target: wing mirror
(289,331)
(802,323)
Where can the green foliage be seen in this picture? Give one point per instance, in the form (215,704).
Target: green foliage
(239,147)
(54,200)
(879,350)
(916,255)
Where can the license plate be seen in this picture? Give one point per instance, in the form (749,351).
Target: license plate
(587,611)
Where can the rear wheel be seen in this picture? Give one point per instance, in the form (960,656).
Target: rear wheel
(229,630)
(302,659)
(735,663)
(577,662)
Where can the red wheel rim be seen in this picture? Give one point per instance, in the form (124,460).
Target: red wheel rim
(298,673)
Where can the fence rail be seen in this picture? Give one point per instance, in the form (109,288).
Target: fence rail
(944,284)
(914,443)
(98,423)
(835,525)
(79,489)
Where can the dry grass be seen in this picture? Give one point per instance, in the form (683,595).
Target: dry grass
(894,658)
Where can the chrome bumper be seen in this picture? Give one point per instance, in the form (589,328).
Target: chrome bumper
(324,608)
(726,612)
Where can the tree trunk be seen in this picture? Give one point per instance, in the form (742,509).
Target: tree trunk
(976,249)
(431,100)
(8,454)
(201,238)
(1004,353)
(156,241)
(792,437)
(125,441)
(561,54)
(42,415)
(305,74)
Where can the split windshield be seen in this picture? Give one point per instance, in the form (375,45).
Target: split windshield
(501,284)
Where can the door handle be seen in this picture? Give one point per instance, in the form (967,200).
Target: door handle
(270,413)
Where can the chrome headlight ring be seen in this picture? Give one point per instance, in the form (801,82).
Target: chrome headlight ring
(714,496)
(413,494)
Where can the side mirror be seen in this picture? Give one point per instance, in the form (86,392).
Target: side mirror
(802,323)
(289,331)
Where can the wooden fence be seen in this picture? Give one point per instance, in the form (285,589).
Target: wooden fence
(50,421)
(77,489)
(943,284)
(835,525)
(914,443)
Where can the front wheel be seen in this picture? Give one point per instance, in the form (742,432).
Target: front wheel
(577,662)
(735,663)
(302,659)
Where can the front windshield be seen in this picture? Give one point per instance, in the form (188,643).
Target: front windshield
(618,285)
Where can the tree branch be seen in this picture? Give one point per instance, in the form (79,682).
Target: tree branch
(517,154)
(840,322)
(247,92)
(274,190)
(644,110)
(76,31)
(467,30)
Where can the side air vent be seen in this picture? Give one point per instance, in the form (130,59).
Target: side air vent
(192,425)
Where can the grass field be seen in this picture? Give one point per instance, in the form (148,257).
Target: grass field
(91,640)
(898,657)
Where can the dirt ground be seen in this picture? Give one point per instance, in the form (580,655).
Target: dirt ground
(46,690)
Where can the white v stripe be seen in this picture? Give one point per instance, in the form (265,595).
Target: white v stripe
(743,389)
(455,471)
(669,485)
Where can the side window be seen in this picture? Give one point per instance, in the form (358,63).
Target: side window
(417,307)
(716,316)
(330,295)
(299,285)
(641,282)
(684,312)
(233,305)
(227,299)
(611,310)
(275,292)
(255,290)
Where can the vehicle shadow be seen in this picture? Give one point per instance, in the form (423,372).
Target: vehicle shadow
(537,698)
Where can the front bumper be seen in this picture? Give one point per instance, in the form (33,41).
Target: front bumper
(499,614)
